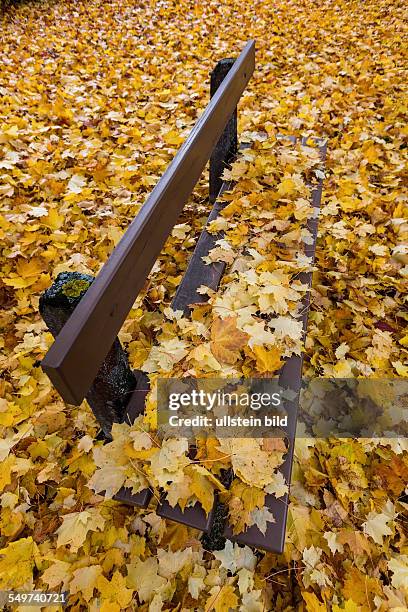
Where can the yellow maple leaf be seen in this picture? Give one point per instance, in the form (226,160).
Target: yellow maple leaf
(399,567)
(208,451)
(371,154)
(6,467)
(17,561)
(404,341)
(312,603)
(400,368)
(252,497)
(357,541)
(287,187)
(31,267)
(205,358)
(201,486)
(54,220)
(114,591)
(59,572)
(62,111)
(76,183)
(237,171)
(227,340)
(8,133)
(173,138)
(360,587)
(84,580)
(253,465)
(11,523)
(267,360)
(143,576)
(222,599)
(76,525)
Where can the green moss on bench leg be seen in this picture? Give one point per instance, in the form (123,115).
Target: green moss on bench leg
(115,381)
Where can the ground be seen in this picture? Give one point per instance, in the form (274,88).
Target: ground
(96,97)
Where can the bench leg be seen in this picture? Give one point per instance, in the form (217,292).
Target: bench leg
(115,381)
(226,147)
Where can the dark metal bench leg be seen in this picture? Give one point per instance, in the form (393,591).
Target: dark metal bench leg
(226,147)
(115,381)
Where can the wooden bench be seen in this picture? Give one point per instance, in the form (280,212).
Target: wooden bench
(85,314)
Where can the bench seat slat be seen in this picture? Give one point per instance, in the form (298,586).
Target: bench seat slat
(290,377)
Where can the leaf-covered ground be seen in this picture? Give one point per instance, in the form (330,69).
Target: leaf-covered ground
(96,98)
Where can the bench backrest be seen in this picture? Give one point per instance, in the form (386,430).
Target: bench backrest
(73,361)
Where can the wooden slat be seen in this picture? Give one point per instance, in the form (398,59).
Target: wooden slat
(74,359)
(290,377)
(193,516)
(141,500)
(199,273)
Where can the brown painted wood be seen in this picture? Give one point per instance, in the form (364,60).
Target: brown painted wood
(193,516)
(141,500)
(73,360)
(290,377)
(199,273)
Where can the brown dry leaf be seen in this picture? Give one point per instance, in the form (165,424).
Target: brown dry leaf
(227,340)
